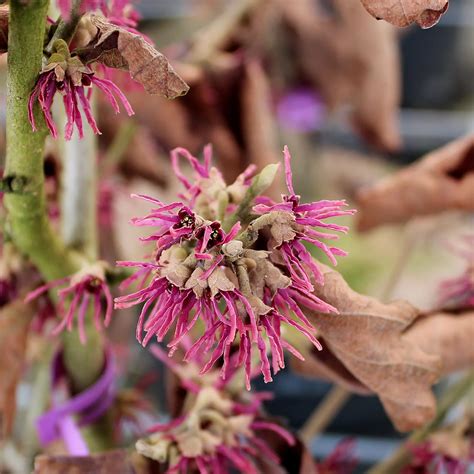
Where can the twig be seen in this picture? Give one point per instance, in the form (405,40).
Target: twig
(326,411)
(450,398)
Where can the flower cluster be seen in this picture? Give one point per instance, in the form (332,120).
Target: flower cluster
(220,430)
(241,270)
(449,450)
(459,291)
(81,291)
(67,75)
(426,459)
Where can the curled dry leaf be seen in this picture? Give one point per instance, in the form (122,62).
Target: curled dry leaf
(367,338)
(442,180)
(14,321)
(118,48)
(405,12)
(347,55)
(103,463)
(448,335)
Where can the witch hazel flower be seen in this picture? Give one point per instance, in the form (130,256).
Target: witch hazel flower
(76,295)
(459,291)
(308,224)
(218,431)
(239,269)
(341,460)
(66,75)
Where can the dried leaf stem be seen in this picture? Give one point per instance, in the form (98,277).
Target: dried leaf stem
(325,412)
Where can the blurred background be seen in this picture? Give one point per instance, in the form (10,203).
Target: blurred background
(353,98)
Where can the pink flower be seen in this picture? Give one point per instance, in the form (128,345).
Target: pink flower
(341,461)
(219,431)
(459,291)
(425,459)
(85,289)
(202,270)
(66,75)
(307,216)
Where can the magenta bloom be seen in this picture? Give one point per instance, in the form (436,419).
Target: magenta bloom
(341,460)
(85,289)
(67,76)
(301,110)
(307,216)
(219,431)
(245,283)
(459,291)
(425,459)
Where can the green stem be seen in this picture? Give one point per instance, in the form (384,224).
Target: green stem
(453,395)
(27,220)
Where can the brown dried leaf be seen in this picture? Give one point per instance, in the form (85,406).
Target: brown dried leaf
(449,336)
(325,365)
(367,337)
(118,48)
(347,56)
(405,12)
(14,321)
(103,463)
(440,181)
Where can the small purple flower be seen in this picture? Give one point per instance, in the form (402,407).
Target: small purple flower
(80,291)
(301,110)
(66,75)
